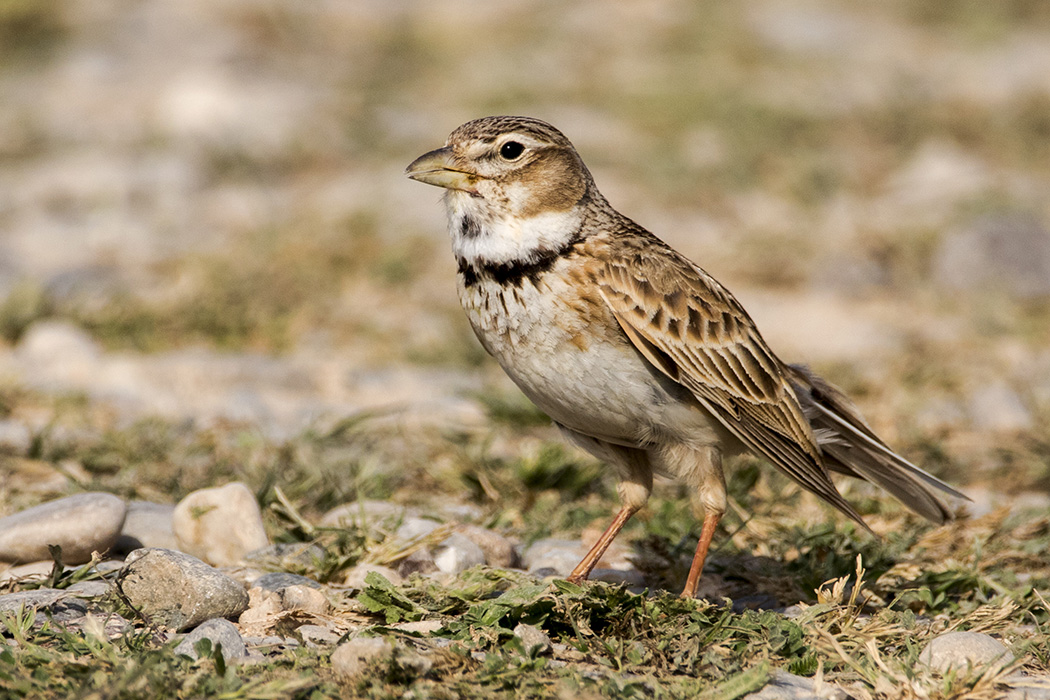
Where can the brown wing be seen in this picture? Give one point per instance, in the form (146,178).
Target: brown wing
(692,329)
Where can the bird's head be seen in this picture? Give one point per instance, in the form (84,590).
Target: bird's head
(514,185)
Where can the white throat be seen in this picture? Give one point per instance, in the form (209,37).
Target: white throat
(482,239)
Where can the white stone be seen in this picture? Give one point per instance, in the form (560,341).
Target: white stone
(457,553)
(353,656)
(80,525)
(219,525)
(964,649)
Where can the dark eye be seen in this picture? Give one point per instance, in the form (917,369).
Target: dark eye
(511,150)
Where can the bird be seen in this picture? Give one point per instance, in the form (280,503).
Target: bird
(638,355)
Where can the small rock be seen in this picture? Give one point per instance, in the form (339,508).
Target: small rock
(109,626)
(315,636)
(534,640)
(177,590)
(421,627)
(147,525)
(39,598)
(563,556)
(498,550)
(80,524)
(787,686)
(219,525)
(220,632)
(304,598)
(276,580)
(89,590)
(264,605)
(415,528)
(351,514)
(287,555)
(355,577)
(962,649)
(457,553)
(58,344)
(351,658)
(15,437)
(420,561)
(33,571)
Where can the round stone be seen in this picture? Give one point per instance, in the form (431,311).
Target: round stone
(964,649)
(219,525)
(80,525)
(176,590)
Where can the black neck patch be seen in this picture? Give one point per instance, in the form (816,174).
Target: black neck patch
(515,271)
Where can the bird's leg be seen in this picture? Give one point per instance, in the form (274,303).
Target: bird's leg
(711,519)
(583,569)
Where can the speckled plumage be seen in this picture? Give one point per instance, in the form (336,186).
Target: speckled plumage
(639,355)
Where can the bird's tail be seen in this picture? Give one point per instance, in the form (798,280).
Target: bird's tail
(850,447)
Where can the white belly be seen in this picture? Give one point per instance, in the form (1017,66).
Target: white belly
(580,369)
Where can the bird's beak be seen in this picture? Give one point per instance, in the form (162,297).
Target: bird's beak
(436,168)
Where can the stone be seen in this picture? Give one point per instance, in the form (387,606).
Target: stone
(147,525)
(34,571)
(315,636)
(498,550)
(80,524)
(350,514)
(534,640)
(58,344)
(563,555)
(38,598)
(961,650)
(351,658)
(265,605)
(355,576)
(287,555)
(416,528)
(787,686)
(420,627)
(276,580)
(219,525)
(15,437)
(177,590)
(420,561)
(457,553)
(90,590)
(222,633)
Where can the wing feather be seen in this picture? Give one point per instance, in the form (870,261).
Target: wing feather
(693,330)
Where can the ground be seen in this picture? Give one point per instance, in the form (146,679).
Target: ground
(212,269)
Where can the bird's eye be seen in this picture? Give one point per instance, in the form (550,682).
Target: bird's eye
(511,150)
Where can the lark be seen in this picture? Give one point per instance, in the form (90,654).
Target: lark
(638,355)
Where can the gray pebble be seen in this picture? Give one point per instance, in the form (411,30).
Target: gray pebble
(498,550)
(80,524)
(352,514)
(414,528)
(551,553)
(533,639)
(787,686)
(176,590)
(276,580)
(315,636)
(219,525)
(90,590)
(964,649)
(219,631)
(146,525)
(287,555)
(352,657)
(33,571)
(457,553)
(355,576)
(15,437)
(39,598)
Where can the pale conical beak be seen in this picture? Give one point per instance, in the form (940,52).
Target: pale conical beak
(436,168)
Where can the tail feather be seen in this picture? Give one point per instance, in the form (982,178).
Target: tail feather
(850,447)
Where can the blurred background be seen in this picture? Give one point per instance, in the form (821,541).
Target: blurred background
(204,225)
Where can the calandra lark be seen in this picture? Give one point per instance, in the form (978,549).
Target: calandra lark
(638,355)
